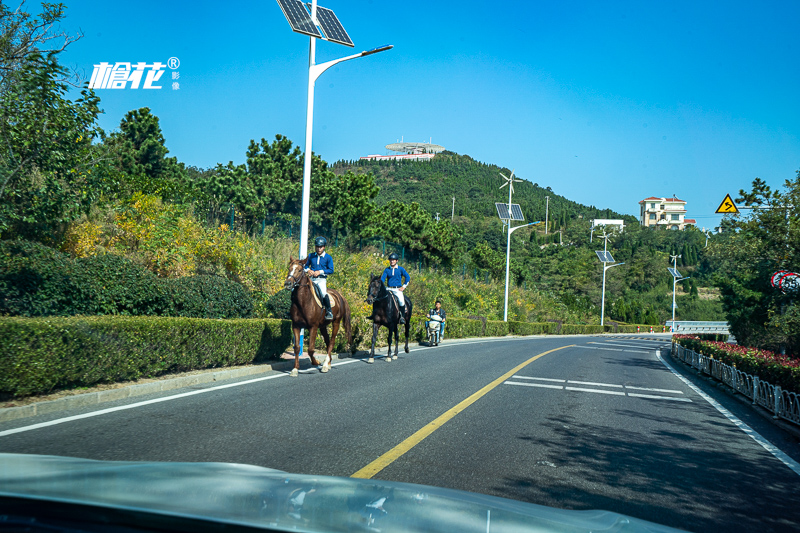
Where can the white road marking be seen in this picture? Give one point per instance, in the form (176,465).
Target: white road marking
(599,391)
(611,349)
(654,390)
(767,445)
(653,397)
(542,379)
(615,393)
(595,384)
(613,344)
(542,385)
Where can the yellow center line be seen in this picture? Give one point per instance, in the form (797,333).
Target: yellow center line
(395,453)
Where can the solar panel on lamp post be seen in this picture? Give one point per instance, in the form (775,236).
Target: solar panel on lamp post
(301,21)
(676,277)
(605,257)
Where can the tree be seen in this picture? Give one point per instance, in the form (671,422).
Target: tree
(140,160)
(47,159)
(24,36)
(751,250)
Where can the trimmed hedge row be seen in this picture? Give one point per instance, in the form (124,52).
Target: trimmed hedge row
(39,281)
(39,355)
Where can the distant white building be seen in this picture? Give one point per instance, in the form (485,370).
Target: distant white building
(666,213)
(614,223)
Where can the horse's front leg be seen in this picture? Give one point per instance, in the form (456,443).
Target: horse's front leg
(375,328)
(408,328)
(389,353)
(296,332)
(326,364)
(312,340)
(396,342)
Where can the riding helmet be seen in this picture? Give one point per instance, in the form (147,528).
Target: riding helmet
(320,241)
(393,256)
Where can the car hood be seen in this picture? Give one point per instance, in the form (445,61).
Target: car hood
(263,497)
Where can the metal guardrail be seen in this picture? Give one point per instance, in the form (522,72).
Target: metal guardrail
(696,326)
(782,404)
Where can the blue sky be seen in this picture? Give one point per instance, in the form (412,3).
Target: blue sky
(605,102)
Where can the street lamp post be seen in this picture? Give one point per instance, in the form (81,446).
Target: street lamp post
(676,277)
(329,28)
(314,71)
(508,261)
(605,257)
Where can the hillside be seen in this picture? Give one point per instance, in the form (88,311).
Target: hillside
(561,261)
(433,184)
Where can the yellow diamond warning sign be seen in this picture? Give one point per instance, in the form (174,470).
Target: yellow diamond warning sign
(727,206)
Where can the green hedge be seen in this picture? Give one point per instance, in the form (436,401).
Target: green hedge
(581,329)
(532,328)
(39,281)
(39,355)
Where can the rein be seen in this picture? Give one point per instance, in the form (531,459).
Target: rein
(299,281)
(385,294)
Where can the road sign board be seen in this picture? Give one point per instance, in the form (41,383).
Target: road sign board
(727,206)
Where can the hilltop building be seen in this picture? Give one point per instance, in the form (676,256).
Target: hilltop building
(666,213)
(408,152)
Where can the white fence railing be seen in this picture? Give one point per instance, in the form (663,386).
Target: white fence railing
(694,326)
(781,403)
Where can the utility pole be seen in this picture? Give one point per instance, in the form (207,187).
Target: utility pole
(453,214)
(546,212)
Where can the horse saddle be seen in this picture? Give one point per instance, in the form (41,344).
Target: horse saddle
(318,297)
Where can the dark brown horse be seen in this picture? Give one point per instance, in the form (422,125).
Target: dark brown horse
(386,313)
(306,313)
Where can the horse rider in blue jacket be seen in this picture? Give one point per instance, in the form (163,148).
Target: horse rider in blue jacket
(393,277)
(319,266)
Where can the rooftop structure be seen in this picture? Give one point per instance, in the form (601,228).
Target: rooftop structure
(410,151)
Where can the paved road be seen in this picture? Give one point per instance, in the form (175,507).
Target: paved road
(577,423)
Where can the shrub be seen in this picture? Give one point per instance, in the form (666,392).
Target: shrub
(36,280)
(532,328)
(39,281)
(207,297)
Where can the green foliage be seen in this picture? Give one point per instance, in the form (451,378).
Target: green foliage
(139,158)
(746,256)
(207,297)
(47,157)
(41,355)
(38,281)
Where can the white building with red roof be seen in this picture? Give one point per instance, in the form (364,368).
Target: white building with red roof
(664,213)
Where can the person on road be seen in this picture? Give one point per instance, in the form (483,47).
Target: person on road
(437,311)
(393,277)
(318,267)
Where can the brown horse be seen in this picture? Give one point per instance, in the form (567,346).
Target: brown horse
(306,313)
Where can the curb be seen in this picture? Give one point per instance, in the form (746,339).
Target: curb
(210,376)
